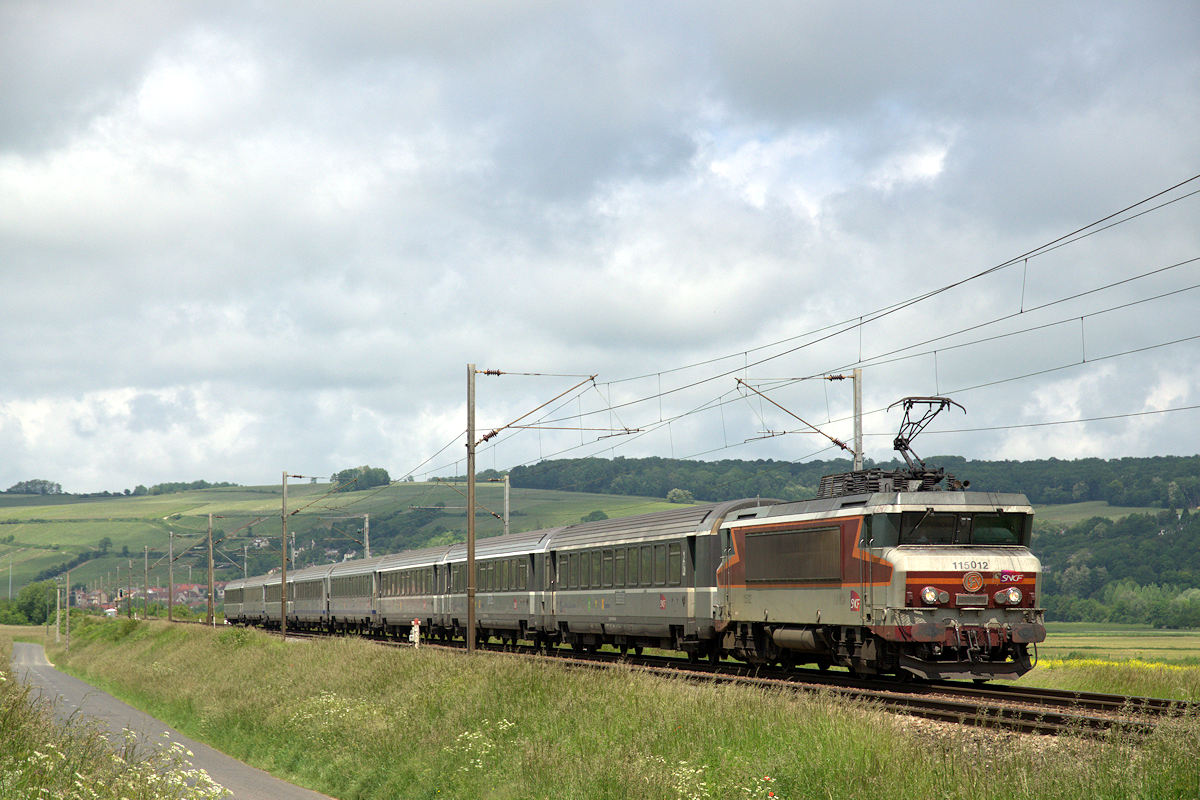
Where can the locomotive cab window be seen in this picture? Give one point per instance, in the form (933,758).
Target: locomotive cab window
(881,530)
(962,528)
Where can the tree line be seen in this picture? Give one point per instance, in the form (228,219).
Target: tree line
(1161,481)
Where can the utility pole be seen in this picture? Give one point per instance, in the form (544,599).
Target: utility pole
(245,560)
(171,576)
(146,584)
(367,535)
(68,611)
(470,508)
(858,436)
(856,377)
(212,618)
(283,572)
(57,611)
(129,590)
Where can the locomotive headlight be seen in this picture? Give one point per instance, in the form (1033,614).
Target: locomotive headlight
(1010,596)
(929,596)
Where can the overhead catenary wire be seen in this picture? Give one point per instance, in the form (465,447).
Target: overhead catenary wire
(783,347)
(872,360)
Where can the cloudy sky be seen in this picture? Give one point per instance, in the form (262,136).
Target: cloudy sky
(238,238)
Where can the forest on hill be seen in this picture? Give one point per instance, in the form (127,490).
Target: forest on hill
(1142,569)
(1161,481)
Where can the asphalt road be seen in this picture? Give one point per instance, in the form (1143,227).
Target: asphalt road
(71,696)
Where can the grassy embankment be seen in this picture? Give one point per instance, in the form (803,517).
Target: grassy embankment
(40,757)
(360,721)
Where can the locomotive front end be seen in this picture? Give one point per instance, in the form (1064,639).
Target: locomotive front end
(962,599)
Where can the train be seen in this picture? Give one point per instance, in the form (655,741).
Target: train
(905,574)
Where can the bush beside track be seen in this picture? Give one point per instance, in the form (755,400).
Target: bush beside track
(359,721)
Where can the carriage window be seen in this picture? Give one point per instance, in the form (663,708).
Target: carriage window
(647,565)
(619,568)
(573,561)
(606,569)
(632,565)
(674,564)
(596,569)
(660,565)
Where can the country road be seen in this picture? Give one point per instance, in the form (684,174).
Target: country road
(72,696)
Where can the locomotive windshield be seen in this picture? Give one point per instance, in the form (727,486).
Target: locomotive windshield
(948,528)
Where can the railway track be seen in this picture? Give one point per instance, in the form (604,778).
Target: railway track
(1011,708)
(999,707)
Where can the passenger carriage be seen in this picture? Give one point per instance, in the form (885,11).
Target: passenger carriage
(408,589)
(638,581)
(232,600)
(309,597)
(352,596)
(507,605)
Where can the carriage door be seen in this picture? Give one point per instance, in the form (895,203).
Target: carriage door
(549,586)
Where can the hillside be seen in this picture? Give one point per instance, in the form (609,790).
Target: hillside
(99,537)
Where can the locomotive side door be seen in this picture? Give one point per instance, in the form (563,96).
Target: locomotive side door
(724,595)
(866,578)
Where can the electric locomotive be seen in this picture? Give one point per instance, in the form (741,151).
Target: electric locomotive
(886,572)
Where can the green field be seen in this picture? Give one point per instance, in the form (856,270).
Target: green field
(1069,514)
(1085,640)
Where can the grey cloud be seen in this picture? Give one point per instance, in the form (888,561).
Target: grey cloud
(292,251)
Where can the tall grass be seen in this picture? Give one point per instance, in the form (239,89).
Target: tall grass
(356,720)
(41,757)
